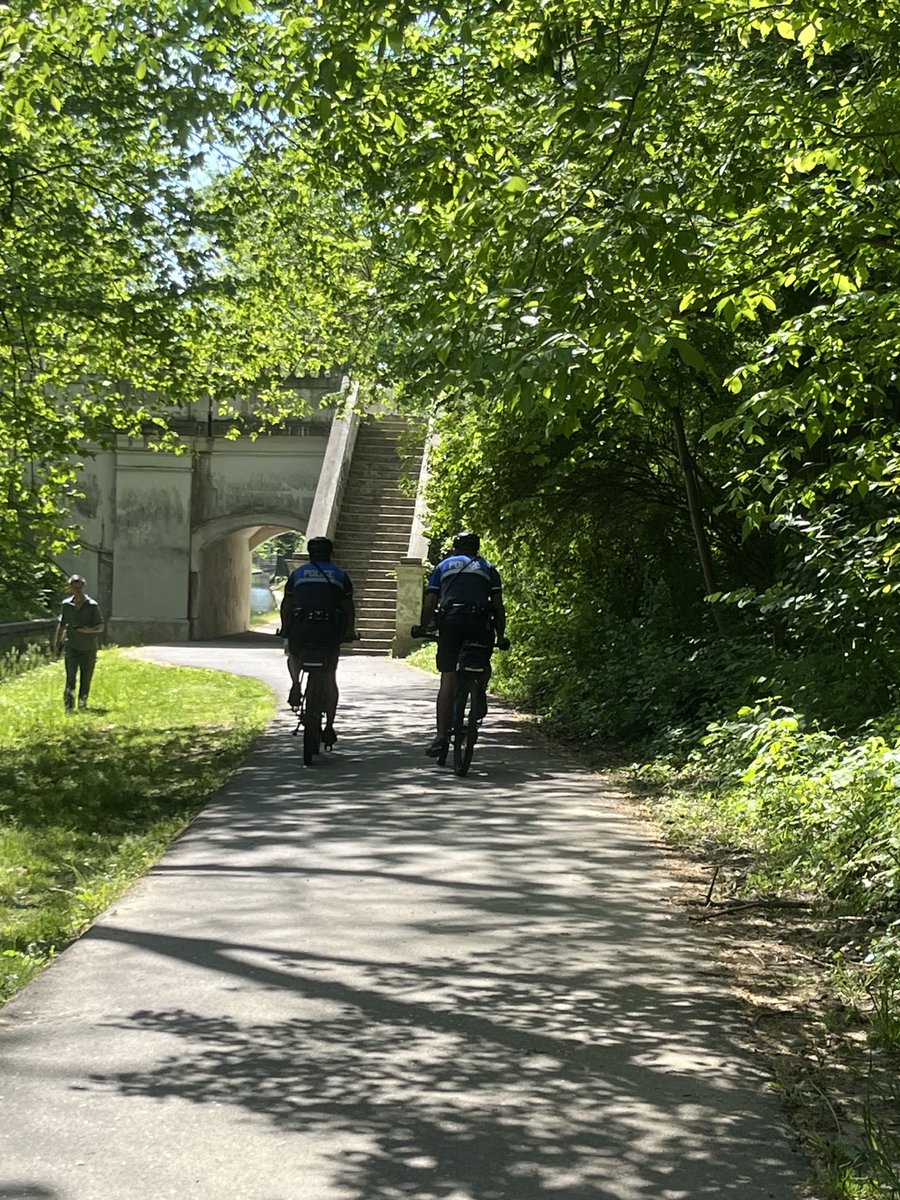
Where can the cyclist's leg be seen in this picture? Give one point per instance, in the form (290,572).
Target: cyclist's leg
(449,642)
(445,697)
(330,697)
(483,690)
(447,653)
(293,666)
(490,640)
(312,716)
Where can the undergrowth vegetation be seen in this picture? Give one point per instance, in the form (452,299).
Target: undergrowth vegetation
(90,800)
(17,660)
(764,718)
(809,808)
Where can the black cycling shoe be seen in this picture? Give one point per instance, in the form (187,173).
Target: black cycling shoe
(295,696)
(329,737)
(438,747)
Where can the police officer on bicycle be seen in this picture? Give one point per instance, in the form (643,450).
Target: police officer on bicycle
(465,596)
(318,610)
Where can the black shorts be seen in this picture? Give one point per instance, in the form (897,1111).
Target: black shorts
(327,655)
(452,634)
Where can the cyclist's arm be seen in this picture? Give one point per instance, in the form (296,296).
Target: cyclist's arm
(350,616)
(499,610)
(429,605)
(287,603)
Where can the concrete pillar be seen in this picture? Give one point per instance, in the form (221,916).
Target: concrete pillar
(151,567)
(410,585)
(411,570)
(223,601)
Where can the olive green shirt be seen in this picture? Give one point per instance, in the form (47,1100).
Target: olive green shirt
(71,617)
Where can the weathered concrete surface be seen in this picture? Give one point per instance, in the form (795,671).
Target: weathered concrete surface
(370,980)
(166,538)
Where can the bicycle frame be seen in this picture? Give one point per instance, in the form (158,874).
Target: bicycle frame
(469,702)
(300,710)
(310,713)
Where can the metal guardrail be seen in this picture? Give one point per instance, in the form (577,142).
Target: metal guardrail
(25,631)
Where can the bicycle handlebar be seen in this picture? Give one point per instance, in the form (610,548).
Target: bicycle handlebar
(430,634)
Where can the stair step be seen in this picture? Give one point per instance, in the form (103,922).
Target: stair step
(373,529)
(363,543)
(376,520)
(380,587)
(374,558)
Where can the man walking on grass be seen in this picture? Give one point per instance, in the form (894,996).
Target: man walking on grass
(80,626)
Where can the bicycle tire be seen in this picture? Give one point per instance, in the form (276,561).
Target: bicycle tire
(465,724)
(312,718)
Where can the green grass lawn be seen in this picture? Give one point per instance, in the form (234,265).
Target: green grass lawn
(90,800)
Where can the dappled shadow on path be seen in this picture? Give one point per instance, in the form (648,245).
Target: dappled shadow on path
(515,1088)
(466,989)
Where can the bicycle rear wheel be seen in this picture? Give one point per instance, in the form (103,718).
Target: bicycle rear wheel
(312,718)
(465,721)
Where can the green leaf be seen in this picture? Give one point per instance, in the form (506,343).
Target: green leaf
(690,355)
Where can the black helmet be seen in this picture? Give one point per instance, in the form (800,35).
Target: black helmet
(466,542)
(320,548)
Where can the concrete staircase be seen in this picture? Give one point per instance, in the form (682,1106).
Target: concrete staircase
(373,528)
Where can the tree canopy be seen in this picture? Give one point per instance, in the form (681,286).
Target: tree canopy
(637,257)
(640,259)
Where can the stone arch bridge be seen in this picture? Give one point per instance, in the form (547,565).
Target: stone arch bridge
(166,538)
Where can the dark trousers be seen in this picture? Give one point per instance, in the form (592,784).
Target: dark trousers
(83,662)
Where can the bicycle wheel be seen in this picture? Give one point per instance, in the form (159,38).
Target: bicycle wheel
(312,717)
(465,721)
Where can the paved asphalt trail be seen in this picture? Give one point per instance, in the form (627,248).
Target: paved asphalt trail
(370,980)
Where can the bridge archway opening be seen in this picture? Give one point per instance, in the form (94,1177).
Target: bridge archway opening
(222,569)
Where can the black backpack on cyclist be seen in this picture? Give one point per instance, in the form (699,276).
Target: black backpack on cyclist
(315,627)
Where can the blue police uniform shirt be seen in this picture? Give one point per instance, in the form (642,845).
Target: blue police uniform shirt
(461,579)
(318,585)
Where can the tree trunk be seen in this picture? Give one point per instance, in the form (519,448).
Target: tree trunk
(689,474)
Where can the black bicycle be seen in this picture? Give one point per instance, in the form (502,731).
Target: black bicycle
(469,697)
(311,709)
(469,702)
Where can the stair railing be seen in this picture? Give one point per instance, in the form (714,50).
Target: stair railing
(326,508)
